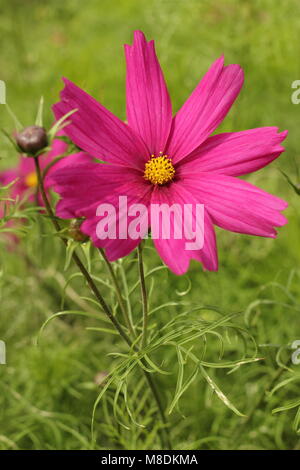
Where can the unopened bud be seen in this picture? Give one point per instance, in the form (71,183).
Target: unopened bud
(32,139)
(75,232)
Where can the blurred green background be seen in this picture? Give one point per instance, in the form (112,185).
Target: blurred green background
(47,392)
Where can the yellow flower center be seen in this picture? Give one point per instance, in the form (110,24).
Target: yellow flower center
(159,170)
(31,180)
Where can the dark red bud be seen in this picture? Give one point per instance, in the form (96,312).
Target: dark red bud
(32,139)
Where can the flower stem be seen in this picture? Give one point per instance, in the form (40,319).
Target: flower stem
(76,258)
(126,290)
(118,292)
(143,294)
(103,304)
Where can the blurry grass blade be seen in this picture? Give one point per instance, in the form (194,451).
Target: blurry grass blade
(17,123)
(59,314)
(297,421)
(65,287)
(102,330)
(12,141)
(288,406)
(281,384)
(162,306)
(294,186)
(39,116)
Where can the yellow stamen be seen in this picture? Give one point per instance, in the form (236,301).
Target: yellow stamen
(31,180)
(159,170)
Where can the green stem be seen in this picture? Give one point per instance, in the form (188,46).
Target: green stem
(126,290)
(118,292)
(143,294)
(76,258)
(106,309)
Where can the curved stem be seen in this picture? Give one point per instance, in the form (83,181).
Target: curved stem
(143,294)
(118,292)
(102,303)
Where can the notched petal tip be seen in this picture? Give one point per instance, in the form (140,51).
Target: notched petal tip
(237,72)
(55,107)
(284,206)
(220,59)
(282,136)
(138,35)
(205,108)
(138,38)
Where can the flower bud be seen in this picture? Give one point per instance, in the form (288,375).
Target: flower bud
(75,232)
(32,139)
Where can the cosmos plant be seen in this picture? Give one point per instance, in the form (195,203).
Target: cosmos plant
(153,158)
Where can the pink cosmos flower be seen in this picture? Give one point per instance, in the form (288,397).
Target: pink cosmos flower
(158,158)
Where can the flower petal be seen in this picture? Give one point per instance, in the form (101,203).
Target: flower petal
(237,205)
(97,131)
(236,153)
(149,109)
(173,251)
(86,185)
(119,247)
(205,108)
(74,159)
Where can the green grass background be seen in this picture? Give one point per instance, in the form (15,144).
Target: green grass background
(47,392)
